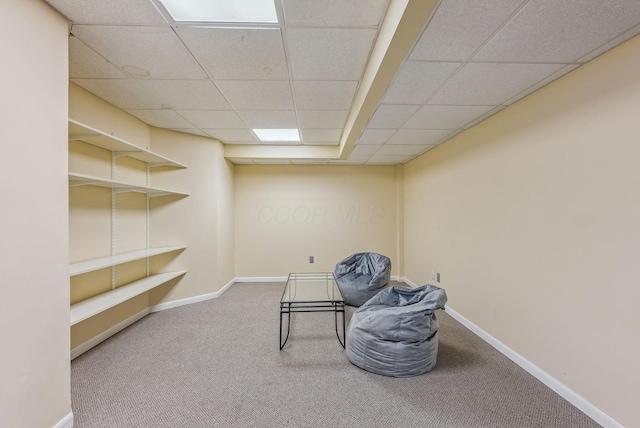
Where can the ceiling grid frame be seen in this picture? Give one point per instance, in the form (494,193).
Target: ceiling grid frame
(93,67)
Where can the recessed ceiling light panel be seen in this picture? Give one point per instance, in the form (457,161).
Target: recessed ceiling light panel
(277,134)
(228,11)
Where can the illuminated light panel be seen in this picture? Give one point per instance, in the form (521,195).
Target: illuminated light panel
(247,11)
(277,134)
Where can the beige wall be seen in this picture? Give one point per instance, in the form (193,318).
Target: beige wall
(225,224)
(532,218)
(199,221)
(286,213)
(34,281)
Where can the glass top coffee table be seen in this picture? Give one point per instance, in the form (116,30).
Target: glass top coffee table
(311,292)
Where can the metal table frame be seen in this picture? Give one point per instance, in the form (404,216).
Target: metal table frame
(333,304)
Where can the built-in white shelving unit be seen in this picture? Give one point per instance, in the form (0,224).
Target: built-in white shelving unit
(81,132)
(118,186)
(105,262)
(119,147)
(100,303)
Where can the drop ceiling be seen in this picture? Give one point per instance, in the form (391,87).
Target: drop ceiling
(365,81)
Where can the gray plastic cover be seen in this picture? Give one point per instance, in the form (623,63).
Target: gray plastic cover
(395,333)
(361,276)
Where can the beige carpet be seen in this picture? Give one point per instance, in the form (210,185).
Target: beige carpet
(217,364)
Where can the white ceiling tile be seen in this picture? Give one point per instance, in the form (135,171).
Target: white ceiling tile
(321,135)
(269,119)
(491,84)
(560,31)
(321,143)
(459,28)
(156,50)
(392,115)
(160,118)
(257,94)
(187,94)
(324,95)
(365,150)
(611,44)
(232,135)
(85,63)
(434,146)
(192,131)
(388,160)
(375,136)
(329,54)
(309,161)
(123,93)
(445,117)
(140,12)
(417,81)
(480,119)
(554,76)
(352,160)
(334,13)
(418,136)
(235,54)
(401,149)
(322,118)
(281,143)
(213,118)
(272,161)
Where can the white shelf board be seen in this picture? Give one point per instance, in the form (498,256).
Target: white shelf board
(81,132)
(88,180)
(100,303)
(105,262)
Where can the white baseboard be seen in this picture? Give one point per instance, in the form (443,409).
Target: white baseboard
(407,281)
(589,409)
(190,300)
(66,422)
(81,349)
(261,279)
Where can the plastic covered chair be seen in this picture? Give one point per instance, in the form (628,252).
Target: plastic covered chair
(395,333)
(361,276)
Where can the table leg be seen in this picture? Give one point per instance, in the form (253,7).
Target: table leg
(288,312)
(335,312)
(344,332)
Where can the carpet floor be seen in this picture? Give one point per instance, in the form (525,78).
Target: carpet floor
(217,364)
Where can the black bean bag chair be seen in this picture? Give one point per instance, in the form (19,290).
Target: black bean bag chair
(395,333)
(361,275)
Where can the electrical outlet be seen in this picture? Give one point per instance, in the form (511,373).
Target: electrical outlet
(438,274)
(310,259)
